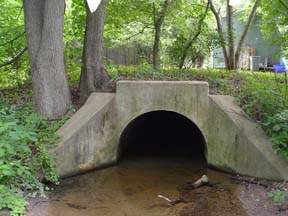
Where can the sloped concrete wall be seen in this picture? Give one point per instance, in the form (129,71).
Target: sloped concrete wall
(238,145)
(91,137)
(86,139)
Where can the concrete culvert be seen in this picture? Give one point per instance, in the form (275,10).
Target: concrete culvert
(90,139)
(162,133)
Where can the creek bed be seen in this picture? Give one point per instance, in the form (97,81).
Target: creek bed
(132,187)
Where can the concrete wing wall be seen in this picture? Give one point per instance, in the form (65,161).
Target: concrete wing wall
(238,145)
(86,138)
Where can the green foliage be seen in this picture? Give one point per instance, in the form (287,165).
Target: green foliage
(24,159)
(185,26)
(262,96)
(280,197)
(274,24)
(276,127)
(12,199)
(74,26)
(12,41)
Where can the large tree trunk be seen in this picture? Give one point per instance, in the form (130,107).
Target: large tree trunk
(44,21)
(93,75)
(158,21)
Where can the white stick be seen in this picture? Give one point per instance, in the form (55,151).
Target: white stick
(166,198)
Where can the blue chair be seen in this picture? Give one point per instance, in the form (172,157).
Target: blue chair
(282,67)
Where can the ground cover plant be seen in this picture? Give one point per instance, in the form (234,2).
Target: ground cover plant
(25,165)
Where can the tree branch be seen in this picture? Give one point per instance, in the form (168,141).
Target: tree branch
(220,31)
(10,31)
(190,43)
(15,58)
(162,13)
(284,4)
(136,34)
(278,9)
(12,40)
(248,24)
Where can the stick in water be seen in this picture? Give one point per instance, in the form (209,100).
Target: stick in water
(166,198)
(200,182)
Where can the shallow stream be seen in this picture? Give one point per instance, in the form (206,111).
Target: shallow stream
(132,187)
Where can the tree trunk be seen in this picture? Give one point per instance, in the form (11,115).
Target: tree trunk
(232,57)
(246,29)
(93,75)
(156,47)
(221,33)
(44,21)
(191,41)
(158,21)
(230,36)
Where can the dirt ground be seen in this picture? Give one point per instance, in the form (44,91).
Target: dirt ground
(254,200)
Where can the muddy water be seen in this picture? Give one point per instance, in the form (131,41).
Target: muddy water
(131,188)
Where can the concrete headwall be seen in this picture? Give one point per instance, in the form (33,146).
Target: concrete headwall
(90,138)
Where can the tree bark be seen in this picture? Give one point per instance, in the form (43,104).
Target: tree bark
(44,20)
(93,75)
(158,21)
(230,35)
(246,29)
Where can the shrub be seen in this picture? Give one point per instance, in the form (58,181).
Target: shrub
(276,127)
(24,159)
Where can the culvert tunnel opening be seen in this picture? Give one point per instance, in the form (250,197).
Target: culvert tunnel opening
(162,134)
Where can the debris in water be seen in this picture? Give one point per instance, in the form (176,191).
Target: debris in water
(172,202)
(75,206)
(201,182)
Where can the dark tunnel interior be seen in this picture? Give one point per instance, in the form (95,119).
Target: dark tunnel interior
(161,133)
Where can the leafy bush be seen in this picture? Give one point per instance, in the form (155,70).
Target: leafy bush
(280,197)
(24,159)
(276,127)
(261,96)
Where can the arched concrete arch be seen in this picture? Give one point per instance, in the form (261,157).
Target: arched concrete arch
(234,143)
(165,119)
